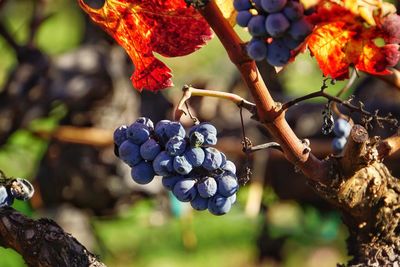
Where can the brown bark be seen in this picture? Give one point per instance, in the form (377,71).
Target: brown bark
(42,242)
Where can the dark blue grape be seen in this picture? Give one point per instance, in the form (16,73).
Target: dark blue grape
(229,166)
(241,4)
(21,189)
(160,130)
(293,10)
(163,164)
(143,173)
(182,165)
(5,198)
(278,54)
(150,149)
(185,190)
(256,26)
(199,203)
(207,187)
(232,199)
(276,24)
(341,128)
(223,156)
(227,184)
(175,146)
(209,132)
(257,49)
(146,121)
(300,29)
(338,143)
(212,159)
(196,139)
(290,42)
(170,181)
(272,6)
(120,135)
(175,128)
(243,17)
(129,153)
(219,205)
(195,156)
(138,133)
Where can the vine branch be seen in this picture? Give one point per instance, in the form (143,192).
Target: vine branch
(42,242)
(269,112)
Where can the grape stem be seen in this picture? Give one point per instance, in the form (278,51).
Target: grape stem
(346,103)
(269,112)
(268,145)
(189,91)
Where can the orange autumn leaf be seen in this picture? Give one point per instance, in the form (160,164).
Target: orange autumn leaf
(341,40)
(143,28)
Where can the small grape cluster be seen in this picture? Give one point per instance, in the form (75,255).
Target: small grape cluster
(15,188)
(277,27)
(342,130)
(191,168)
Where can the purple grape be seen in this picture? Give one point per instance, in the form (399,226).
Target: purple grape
(5,197)
(241,4)
(146,121)
(278,54)
(138,133)
(199,203)
(232,199)
(290,42)
(257,4)
(207,187)
(21,189)
(243,17)
(195,156)
(276,24)
(209,132)
(293,10)
(227,184)
(223,158)
(160,130)
(212,159)
(196,139)
(300,29)
(129,153)
(257,49)
(150,149)
(170,181)
(181,165)
(229,166)
(163,164)
(175,146)
(256,26)
(175,128)
(341,128)
(120,135)
(219,205)
(272,6)
(185,190)
(143,173)
(338,144)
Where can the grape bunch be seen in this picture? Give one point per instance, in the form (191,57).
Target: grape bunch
(14,188)
(277,27)
(190,167)
(341,129)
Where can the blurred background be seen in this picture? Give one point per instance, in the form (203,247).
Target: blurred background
(64,88)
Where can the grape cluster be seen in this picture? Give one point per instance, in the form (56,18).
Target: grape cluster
(341,129)
(190,167)
(15,188)
(276,26)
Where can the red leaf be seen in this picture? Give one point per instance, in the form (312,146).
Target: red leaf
(143,27)
(341,39)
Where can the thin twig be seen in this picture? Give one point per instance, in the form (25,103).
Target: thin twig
(350,82)
(8,38)
(189,91)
